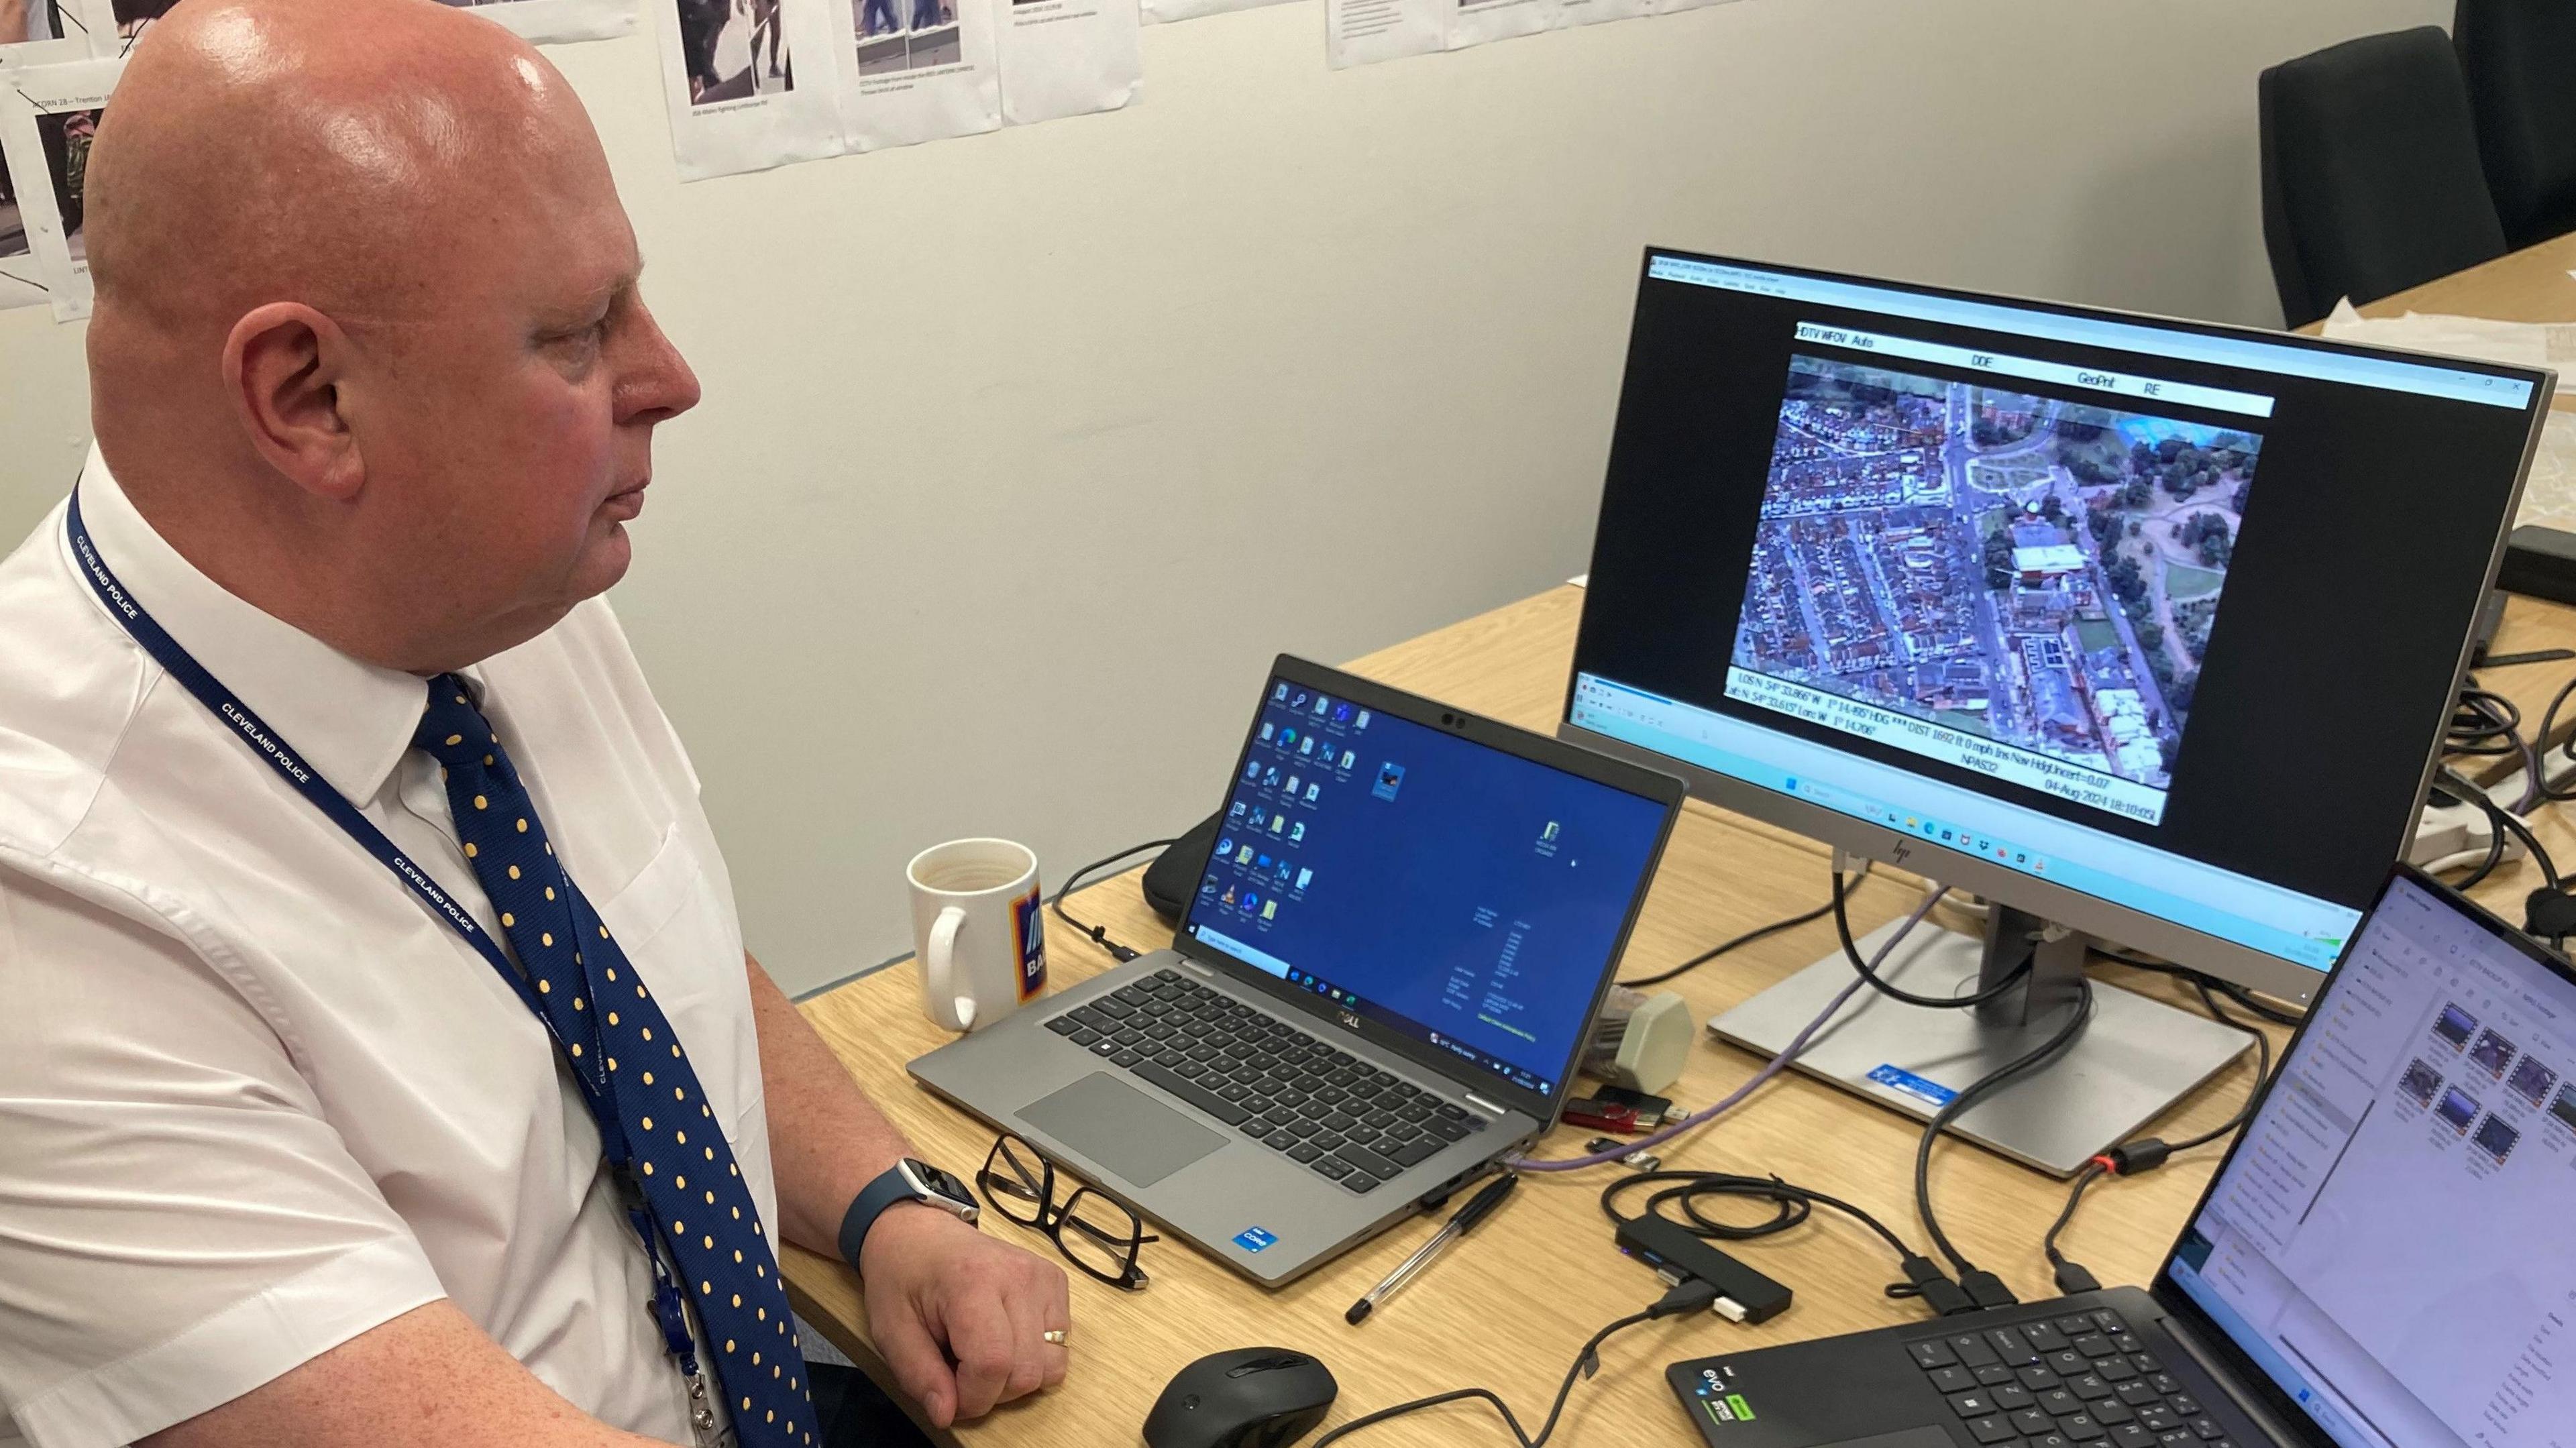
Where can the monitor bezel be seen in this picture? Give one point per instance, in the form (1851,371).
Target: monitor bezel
(1966,870)
(2246,1375)
(1656,785)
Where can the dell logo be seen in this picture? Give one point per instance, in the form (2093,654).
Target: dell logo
(1350,1020)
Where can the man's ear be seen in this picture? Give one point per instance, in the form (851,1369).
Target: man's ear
(284,364)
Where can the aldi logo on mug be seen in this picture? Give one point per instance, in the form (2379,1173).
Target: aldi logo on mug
(1029,929)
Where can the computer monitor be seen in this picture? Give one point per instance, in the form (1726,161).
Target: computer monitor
(2142,630)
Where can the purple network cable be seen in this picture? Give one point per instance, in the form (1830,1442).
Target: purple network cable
(1773,1067)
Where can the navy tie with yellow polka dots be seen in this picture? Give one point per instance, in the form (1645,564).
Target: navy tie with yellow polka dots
(618,1044)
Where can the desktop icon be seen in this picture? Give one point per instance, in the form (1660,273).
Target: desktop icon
(1314,792)
(1362,722)
(1255,820)
(1267,730)
(1322,703)
(1276,821)
(1349,758)
(1208,885)
(1261,862)
(1307,745)
(1287,738)
(1296,832)
(1279,693)
(1251,902)
(1228,898)
(1341,713)
(1292,786)
(1243,856)
(1300,701)
(1269,909)
(1549,833)
(1252,770)
(1304,878)
(1225,847)
(1236,813)
(1270,779)
(1390,778)
(1283,869)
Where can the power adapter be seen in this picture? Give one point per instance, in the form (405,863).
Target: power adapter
(1680,1255)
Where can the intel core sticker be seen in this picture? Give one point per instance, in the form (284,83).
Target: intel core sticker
(1930,1093)
(1253,1239)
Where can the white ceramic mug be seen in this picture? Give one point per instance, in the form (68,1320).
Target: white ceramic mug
(977,930)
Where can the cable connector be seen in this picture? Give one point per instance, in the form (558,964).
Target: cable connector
(1691,1296)
(1924,1279)
(2135,1158)
(1986,1289)
(2072,1278)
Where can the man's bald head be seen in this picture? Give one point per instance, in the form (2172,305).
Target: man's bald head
(322,149)
(367,345)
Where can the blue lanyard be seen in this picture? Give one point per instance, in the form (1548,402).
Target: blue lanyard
(282,757)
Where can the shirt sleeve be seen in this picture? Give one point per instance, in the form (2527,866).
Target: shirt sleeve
(178,1222)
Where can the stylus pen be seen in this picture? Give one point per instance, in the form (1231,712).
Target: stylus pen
(1479,1207)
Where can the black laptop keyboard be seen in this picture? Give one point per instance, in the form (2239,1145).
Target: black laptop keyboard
(1343,1118)
(2080,1381)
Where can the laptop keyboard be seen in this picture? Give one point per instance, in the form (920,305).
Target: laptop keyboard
(2080,1381)
(1342,1118)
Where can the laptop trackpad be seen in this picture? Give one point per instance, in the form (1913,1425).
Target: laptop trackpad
(1121,1128)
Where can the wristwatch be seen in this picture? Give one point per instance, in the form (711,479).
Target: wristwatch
(908,1180)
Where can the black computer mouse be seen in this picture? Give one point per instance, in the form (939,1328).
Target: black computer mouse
(1252,1397)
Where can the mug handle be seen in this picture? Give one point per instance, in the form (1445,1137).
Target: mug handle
(941,964)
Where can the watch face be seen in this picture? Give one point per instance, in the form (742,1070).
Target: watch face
(941,1183)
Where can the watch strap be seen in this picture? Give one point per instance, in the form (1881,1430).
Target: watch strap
(890,1187)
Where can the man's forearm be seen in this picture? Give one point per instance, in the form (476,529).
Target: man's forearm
(826,1139)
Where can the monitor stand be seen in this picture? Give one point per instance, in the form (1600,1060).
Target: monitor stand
(2136,1058)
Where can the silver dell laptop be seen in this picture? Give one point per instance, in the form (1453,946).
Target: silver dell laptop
(1395,951)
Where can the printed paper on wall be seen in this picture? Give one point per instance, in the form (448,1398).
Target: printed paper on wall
(49,114)
(552,21)
(731,84)
(1067,57)
(915,70)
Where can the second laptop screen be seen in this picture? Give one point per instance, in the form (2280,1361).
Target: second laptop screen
(1454,892)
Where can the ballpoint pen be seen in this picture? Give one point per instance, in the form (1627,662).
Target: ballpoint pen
(1478,1207)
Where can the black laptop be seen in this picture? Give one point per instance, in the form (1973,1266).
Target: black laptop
(2386,1259)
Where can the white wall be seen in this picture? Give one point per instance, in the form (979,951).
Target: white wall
(1022,454)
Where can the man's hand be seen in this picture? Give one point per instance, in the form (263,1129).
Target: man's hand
(940,1292)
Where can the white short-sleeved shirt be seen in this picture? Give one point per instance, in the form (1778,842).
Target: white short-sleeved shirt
(254,1098)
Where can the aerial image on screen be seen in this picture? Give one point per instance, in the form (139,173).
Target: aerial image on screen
(2020,585)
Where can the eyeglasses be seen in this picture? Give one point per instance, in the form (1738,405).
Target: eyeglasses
(1094,1233)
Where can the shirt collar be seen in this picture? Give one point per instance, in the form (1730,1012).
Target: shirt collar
(351,720)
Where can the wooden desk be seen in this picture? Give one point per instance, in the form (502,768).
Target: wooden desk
(1507,1308)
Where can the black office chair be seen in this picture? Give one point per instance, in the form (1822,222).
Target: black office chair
(2371,179)
(2520,60)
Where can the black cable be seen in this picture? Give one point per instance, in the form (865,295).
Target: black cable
(2483,722)
(1762,932)
(1985,1285)
(1099,934)
(2244,998)
(2134,1158)
(1792,1205)
(1693,1295)
(1851,952)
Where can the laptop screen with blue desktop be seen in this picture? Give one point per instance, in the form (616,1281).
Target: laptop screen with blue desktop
(1456,893)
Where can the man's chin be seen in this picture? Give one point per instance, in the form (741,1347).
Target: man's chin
(604,562)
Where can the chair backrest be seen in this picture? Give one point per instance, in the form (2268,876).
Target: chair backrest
(2371,178)
(2520,61)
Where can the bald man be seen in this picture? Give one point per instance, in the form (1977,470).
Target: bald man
(380,1063)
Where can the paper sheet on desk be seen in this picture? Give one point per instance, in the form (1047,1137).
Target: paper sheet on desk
(2518,344)
(2549,495)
